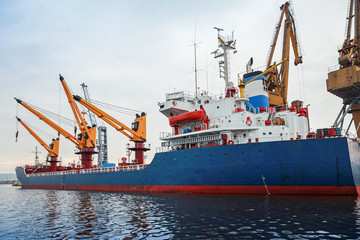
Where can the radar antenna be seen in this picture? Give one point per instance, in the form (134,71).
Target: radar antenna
(225,45)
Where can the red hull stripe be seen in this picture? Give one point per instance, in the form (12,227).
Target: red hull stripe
(312,190)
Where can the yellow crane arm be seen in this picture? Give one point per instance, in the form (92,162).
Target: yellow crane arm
(53,149)
(294,40)
(274,40)
(88,138)
(133,135)
(50,123)
(277,81)
(242,83)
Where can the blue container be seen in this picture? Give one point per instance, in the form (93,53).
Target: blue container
(106,165)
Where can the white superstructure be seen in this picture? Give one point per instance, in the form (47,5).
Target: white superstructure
(204,120)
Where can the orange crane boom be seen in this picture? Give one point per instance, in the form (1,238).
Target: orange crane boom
(50,123)
(53,148)
(137,132)
(137,135)
(88,135)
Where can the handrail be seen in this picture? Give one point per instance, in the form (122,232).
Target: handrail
(91,170)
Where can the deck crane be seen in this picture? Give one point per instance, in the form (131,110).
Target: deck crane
(53,148)
(101,130)
(137,132)
(344,82)
(63,132)
(87,137)
(277,81)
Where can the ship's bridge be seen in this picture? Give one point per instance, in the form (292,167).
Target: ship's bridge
(181,102)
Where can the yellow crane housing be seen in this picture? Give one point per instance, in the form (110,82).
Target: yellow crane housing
(344,82)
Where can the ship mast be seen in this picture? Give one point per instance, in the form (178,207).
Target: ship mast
(225,45)
(37,162)
(195,67)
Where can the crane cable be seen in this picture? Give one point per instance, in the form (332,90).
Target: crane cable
(17,123)
(115,108)
(52,115)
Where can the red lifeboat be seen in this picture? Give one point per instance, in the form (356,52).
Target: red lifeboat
(186,118)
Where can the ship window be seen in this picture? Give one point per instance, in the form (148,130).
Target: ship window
(270,133)
(161,106)
(264,133)
(234,105)
(199,101)
(217,107)
(229,120)
(244,135)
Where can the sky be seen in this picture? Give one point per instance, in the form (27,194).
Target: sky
(131,53)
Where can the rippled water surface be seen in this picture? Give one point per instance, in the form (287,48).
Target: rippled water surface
(40,214)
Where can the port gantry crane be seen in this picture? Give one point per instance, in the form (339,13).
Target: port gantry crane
(344,82)
(87,137)
(102,131)
(277,81)
(136,134)
(53,148)
(78,142)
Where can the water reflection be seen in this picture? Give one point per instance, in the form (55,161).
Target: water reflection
(357,213)
(85,218)
(76,214)
(51,202)
(139,220)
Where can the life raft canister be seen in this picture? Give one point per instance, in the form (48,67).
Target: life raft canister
(186,118)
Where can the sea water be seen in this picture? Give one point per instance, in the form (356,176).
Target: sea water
(58,214)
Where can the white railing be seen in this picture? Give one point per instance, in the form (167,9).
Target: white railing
(333,68)
(162,149)
(165,135)
(91,170)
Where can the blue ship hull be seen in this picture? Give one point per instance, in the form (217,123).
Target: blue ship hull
(311,166)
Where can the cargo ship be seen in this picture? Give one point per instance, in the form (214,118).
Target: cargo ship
(244,141)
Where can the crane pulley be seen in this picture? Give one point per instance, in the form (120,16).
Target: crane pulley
(277,81)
